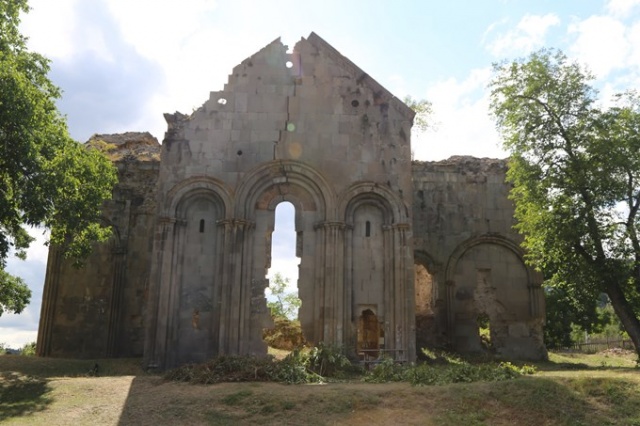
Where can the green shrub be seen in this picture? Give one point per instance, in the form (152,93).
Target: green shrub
(225,369)
(297,367)
(293,369)
(286,334)
(442,368)
(29,349)
(387,371)
(329,361)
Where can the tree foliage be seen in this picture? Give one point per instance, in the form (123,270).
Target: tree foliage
(575,170)
(46,178)
(286,304)
(14,293)
(423,109)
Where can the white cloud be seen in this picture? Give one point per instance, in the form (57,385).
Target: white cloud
(634,41)
(18,329)
(49,27)
(529,34)
(601,43)
(464,126)
(16,338)
(621,8)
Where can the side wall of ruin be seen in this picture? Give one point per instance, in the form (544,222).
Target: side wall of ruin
(470,268)
(98,310)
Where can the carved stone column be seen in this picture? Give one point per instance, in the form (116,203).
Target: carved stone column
(450,306)
(119,255)
(333,308)
(49,297)
(401,281)
(236,294)
(158,302)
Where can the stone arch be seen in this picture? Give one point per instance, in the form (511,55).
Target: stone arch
(257,196)
(378,264)
(492,287)
(194,187)
(497,239)
(368,192)
(198,206)
(424,258)
(284,180)
(428,303)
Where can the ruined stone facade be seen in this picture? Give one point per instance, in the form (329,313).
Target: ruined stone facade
(390,252)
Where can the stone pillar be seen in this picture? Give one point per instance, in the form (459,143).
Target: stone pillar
(49,298)
(349,331)
(158,303)
(450,307)
(330,306)
(118,283)
(403,291)
(236,334)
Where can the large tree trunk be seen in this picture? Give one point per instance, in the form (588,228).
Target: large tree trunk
(625,313)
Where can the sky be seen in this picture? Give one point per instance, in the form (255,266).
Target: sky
(123,63)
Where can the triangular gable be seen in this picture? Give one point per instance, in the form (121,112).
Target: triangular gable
(362,77)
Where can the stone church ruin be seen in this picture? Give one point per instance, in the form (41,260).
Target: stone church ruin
(394,255)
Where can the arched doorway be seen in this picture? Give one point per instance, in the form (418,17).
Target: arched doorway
(369,335)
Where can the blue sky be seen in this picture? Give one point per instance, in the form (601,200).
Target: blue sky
(122,63)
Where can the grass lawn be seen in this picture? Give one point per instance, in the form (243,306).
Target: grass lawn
(572,389)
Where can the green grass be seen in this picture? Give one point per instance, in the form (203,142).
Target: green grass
(60,367)
(605,359)
(571,389)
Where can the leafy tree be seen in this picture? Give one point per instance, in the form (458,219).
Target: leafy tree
(285,304)
(14,293)
(423,110)
(46,178)
(575,170)
(569,317)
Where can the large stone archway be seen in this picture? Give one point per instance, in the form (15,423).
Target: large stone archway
(486,277)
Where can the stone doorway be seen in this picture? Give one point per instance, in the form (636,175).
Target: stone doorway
(369,335)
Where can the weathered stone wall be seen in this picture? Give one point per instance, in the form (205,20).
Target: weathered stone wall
(394,255)
(98,309)
(463,235)
(311,128)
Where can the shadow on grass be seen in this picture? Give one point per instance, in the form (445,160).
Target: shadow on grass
(537,400)
(21,395)
(525,401)
(61,367)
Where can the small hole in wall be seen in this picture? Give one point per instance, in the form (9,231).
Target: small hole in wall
(355,103)
(201,225)
(239,152)
(289,64)
(367,230)
(222,101)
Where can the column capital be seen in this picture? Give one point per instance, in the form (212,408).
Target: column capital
(166,220)
(236,223)
(330,224)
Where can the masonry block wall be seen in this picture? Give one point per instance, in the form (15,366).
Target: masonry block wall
(308,127)
(98,310)
(394,256)
(466,246)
